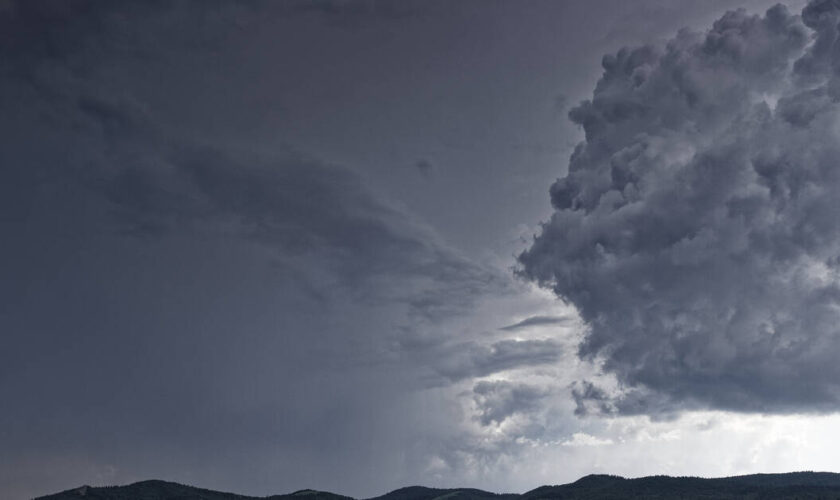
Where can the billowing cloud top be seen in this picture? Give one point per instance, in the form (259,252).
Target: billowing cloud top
(696,229)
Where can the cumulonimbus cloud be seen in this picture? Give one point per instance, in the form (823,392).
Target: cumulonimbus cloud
(696,230)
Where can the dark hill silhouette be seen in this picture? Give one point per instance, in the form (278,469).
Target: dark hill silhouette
(423,493)
(794,485)
(164,490)
(776,486)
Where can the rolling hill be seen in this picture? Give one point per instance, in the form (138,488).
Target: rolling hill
(794,485)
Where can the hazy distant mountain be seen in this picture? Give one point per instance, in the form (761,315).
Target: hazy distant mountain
(798,485)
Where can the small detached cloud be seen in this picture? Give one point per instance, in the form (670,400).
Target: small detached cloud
(425,167)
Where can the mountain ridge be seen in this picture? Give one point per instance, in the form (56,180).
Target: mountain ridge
(800,485)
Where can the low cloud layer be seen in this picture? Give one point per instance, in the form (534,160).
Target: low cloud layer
(696,230)
(474,360)
(536,321)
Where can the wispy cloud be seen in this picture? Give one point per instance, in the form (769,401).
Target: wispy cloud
(536,321)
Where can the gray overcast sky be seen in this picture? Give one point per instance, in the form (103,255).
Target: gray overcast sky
(266,246)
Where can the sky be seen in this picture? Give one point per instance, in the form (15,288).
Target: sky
(355,245)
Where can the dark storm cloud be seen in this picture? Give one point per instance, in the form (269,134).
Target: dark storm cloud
(696,230)
(196,291)
(159,182)
(304,209)
(591,399)
(536,321)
